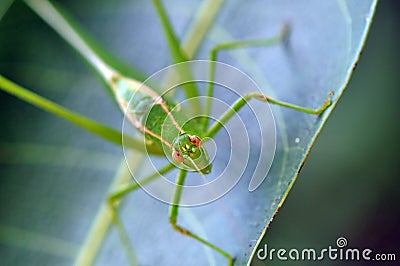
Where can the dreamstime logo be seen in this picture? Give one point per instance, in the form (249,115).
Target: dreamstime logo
(340,252)
(229,151)
(341,242)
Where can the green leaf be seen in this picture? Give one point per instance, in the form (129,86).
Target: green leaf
(61,199)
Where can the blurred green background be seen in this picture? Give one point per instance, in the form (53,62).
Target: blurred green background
(350,186)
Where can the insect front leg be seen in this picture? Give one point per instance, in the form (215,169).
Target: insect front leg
(275,40)
(279,38)
(173,216)
(236,106)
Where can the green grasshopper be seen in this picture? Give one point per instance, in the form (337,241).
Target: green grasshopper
(185,145)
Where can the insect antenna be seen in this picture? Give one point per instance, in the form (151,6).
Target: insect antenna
(164,106)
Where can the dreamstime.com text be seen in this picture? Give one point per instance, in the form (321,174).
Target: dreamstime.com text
(339,252)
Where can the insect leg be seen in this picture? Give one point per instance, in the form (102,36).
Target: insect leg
(236,106)
(282,36)
(176,51)
(173,216)
(114,201)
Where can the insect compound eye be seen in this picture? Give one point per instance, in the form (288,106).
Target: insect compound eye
(195,140)
(177,156)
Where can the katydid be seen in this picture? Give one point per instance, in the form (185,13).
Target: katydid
(143,105)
